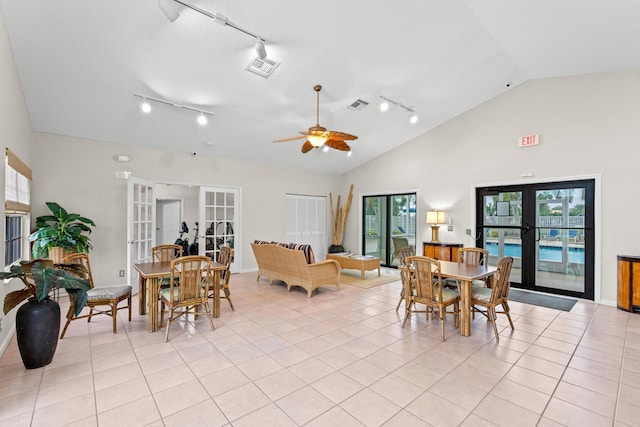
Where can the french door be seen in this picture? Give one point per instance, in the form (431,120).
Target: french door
(548,228)
(388,224)
(141,225)
(219,213)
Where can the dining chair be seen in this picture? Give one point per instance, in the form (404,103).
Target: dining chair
(490,298)
(398,243)
(193,273)
(165,253)
(101,296)
(474,256)
(424,286)
(225,256)
(403,254)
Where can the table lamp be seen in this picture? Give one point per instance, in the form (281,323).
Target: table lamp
(435,219)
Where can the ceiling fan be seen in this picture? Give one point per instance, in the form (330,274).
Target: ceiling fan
(317,136)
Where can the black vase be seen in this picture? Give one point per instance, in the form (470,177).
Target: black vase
(334,249)
(37,329)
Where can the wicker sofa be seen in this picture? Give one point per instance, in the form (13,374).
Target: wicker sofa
(290,266)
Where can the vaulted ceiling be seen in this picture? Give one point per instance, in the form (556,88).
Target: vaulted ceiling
(81,62)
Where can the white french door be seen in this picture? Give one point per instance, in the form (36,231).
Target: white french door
(140,225)
(307,222)
(219,223)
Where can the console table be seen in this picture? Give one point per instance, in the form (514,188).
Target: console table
(441,251)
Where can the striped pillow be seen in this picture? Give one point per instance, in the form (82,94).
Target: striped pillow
(308,252)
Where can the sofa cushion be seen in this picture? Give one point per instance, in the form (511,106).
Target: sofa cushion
(308,252)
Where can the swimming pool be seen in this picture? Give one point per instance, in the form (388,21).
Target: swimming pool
(547,253)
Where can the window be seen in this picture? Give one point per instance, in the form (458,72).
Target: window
(13,239)
(17,205)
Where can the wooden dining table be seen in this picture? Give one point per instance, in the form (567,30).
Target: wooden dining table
(465,274)
(150,276)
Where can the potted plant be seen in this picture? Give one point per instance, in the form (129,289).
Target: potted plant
(38,320)
(67,231)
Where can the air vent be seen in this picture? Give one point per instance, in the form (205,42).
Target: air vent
(262,67)
(358,105)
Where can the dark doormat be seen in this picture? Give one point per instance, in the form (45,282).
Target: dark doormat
(558,303)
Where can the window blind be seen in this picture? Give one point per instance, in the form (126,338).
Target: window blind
(17,184)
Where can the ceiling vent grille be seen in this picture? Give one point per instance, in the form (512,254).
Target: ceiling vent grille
(262,67)
(358,105)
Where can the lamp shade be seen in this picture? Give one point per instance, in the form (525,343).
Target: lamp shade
(435,217)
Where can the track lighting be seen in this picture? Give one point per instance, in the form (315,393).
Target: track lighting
(261,52)
(170,8)
(145,107)
(384,106)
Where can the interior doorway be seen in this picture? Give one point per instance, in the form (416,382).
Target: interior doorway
(168,220)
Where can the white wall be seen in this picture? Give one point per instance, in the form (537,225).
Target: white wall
(588,125)
(83,180)
(15,132)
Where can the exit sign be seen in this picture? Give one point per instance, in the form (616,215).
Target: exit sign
(529,140)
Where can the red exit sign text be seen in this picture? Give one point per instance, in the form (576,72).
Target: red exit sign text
(528,140)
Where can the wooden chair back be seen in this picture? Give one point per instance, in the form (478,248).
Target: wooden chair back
(83,260)
(193,273)
(225,256)
(473,256)
(427,283)
(500,290)
(404,253)
(164,253)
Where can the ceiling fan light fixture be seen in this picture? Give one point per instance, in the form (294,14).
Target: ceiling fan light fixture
(317,140)
(349,153)
(325,148)
(170,8)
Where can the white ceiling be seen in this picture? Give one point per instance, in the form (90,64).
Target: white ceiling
(81,61)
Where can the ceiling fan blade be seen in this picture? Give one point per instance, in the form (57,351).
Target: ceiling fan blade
(338,144)
(341,135)
(306,147)
(293,138)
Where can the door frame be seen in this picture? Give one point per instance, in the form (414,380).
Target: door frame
(361,197)
(597,216)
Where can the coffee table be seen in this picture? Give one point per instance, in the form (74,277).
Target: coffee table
(357,262)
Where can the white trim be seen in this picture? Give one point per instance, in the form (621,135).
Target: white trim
(597,218)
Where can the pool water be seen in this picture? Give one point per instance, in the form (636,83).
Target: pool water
(547,253)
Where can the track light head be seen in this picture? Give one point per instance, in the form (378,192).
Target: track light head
(170,8)
(261,51)
(413,118)
(145,107)
(384,106)
(202,119)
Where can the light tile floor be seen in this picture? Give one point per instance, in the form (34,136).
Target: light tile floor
(339,358)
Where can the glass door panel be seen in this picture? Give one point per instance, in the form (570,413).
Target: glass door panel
(389,224)
(140,225)
(218,223)
(560,251)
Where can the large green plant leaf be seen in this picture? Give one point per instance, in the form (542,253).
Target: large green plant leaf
(12,299)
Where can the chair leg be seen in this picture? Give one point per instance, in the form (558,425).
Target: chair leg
(442,314)
(114,315)
(505,307)
(208,311)
(166,334)
(129,302)
(456,315)
(69,318)
(407,312)
(227,295)
(492,319)
(400,301)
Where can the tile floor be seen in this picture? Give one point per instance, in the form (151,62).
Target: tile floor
(337,359)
